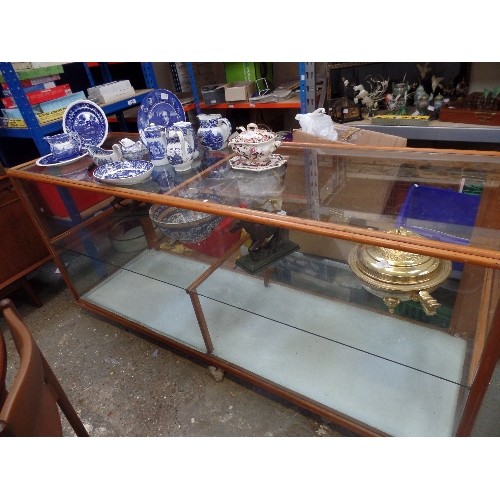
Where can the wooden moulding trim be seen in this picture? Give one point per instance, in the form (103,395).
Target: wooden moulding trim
(287,394)
(487,363)
(450,251)
(482,324)
(404,152)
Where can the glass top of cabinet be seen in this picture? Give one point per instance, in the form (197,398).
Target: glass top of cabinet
(447,196)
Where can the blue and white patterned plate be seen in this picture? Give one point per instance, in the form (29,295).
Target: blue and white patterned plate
(124,173)
(50,161)
(88,120)
(160,107)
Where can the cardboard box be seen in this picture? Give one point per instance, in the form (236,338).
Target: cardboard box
(214,94)
(355,196)
(352,135)
(322,246)
(248,71)
(239,91)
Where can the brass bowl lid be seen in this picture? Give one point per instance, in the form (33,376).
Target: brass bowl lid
(380,266)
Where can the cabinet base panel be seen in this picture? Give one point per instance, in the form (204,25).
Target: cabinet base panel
(394,375)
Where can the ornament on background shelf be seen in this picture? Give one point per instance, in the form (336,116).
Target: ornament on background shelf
(371,97)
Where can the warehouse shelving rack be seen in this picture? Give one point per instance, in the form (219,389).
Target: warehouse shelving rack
(35,131)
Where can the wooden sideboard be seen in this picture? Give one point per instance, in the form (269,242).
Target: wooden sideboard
(22,249)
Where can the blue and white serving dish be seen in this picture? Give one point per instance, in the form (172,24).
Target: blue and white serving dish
(50,161)
(159,107)
(124,173)
(88,120)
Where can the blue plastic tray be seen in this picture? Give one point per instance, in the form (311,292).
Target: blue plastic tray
(439,214)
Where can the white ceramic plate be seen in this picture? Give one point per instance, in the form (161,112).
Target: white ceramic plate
(124,173)
(88,120)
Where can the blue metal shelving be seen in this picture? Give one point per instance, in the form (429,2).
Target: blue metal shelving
(37,132)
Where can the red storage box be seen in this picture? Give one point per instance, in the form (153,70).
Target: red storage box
(218,242)
(54,205)
(39,96)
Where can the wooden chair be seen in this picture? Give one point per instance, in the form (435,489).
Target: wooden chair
(31,405)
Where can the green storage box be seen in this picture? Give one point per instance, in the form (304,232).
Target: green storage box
(248,71)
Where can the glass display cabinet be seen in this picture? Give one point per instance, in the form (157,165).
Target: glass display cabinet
(359,283)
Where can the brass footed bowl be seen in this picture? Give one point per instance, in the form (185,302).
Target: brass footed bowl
(397,276)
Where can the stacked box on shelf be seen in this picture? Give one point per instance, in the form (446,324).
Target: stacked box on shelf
(112,91)
(48,100)
(39,96)
(30,82)
(45,112)
(248,71)
(30,74)
(39,86)
(214,94)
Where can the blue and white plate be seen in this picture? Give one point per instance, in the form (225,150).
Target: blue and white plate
(88,120)
(50,161)
(160,107)
(124,173)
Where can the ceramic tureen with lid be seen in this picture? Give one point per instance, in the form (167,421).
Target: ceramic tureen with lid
(254,144)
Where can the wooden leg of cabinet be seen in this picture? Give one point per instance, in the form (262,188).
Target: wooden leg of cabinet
(22,283)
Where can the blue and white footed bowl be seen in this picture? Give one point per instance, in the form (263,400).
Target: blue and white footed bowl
(187,226)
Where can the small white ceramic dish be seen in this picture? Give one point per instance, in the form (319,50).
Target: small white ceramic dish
(102,156)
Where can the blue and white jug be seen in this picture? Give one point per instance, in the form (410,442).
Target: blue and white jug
(177,150)
(156,142)
(214,131)
(190,139)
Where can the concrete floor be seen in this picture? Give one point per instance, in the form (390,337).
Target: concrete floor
(123,384)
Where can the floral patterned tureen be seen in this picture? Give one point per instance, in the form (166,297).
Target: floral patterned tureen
(253,143)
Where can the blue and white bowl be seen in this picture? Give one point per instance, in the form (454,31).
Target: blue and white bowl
(124,173)
(187,226)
